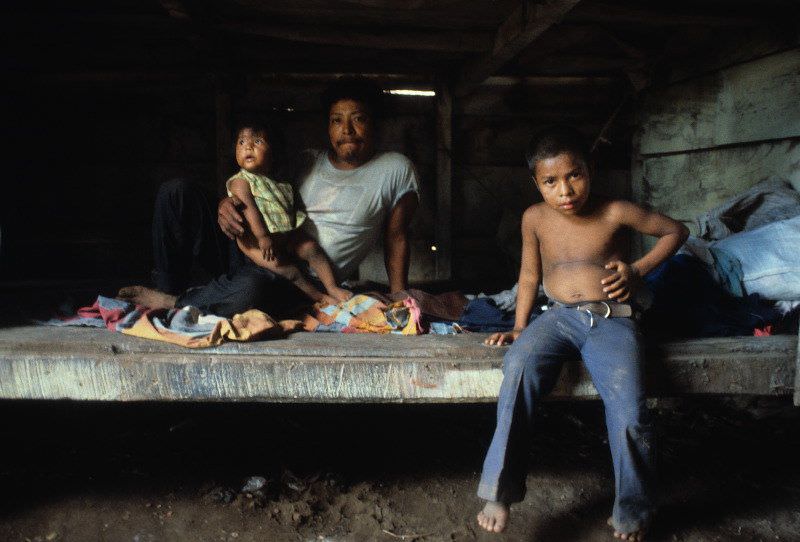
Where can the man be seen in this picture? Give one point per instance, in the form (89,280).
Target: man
(352,195)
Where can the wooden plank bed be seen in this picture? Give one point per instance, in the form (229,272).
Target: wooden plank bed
(98,365)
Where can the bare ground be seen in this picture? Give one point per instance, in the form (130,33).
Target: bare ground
(161,472)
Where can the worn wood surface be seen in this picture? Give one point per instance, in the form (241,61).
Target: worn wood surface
(751,102)
(518,31)
(797,373)
(444,181)
(729,49)
(92,364)
(686,185)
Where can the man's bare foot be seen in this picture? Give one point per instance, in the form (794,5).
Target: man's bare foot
(635,536)
(494,516)
(340,294)
(149,297)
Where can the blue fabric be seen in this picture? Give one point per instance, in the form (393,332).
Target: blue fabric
(729,271)
(442,328)
(612,352)
(688,302)
(483,314)
(770,259)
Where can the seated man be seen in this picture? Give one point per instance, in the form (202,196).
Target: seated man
(352,196)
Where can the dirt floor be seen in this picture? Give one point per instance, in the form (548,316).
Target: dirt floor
(155,472)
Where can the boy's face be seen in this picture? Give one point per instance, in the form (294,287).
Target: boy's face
(350,130)
(563,182)
(253,152)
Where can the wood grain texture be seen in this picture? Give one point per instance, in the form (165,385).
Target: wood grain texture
(686,185)
(91,364)
(751,102)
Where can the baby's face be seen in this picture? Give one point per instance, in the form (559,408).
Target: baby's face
(253,152)
(563,182)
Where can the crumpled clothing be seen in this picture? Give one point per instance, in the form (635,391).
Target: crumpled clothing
(364,314)
(446,306)
(186,326)
(505,300)
(728,270)
(445,328)
(483,314)
(769,201)
(689,303)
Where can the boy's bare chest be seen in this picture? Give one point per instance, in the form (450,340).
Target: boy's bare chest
(569,241)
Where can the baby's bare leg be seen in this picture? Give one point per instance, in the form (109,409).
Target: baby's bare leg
(292,273)
(309,250)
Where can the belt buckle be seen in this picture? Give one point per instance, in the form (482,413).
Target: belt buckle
(608,309)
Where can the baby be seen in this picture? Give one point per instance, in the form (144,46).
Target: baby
(273,220)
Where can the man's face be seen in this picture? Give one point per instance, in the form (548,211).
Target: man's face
(350,130)
(563,182)
(253,152)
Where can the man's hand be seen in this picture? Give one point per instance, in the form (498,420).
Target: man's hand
(229,218)
(507,337)
(623,282)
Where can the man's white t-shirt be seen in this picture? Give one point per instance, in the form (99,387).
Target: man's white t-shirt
(347,209)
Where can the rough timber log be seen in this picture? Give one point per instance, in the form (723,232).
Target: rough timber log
(91,364)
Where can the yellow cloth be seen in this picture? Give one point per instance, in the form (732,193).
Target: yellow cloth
(250,325)
(275,201)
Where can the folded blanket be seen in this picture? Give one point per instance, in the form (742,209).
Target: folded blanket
(185,326)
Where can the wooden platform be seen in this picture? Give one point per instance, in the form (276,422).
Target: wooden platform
(94,364)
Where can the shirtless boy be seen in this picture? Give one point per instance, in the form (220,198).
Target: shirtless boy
(274,223)
(575,245)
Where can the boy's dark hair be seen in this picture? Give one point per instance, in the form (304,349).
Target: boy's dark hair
(556,140)
(359,89)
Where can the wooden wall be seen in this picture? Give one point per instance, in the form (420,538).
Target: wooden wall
(701,141)
(87,156)
(491,183)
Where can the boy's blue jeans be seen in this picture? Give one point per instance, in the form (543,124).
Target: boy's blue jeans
(612,352)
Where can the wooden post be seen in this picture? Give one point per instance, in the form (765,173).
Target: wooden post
(797,371)
(223,126)
(444,177)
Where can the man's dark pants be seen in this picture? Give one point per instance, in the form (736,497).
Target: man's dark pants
(185,234)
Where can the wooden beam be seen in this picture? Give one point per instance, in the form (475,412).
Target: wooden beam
(415,40)
(444,179)
(222,105)
(594,12)
(99,365)
(524,25)
(176,9)
(797,372)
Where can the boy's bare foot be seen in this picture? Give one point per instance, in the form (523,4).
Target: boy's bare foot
(494,516)
(149,297)
(635,536)
(340,294)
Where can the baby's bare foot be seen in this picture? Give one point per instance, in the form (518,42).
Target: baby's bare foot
(149,297)
(635,536)
(326,299)
(494,516)
(340,294)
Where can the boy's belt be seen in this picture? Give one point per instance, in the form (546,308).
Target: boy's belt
(606,309)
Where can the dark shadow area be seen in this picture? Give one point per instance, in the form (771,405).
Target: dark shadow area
(720,461)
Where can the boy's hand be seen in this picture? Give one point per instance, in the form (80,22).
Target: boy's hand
(229,218)
(266,246)
(499,339)
(621,284)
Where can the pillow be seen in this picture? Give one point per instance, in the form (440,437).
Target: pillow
(770,258)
